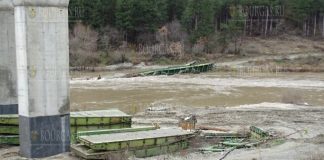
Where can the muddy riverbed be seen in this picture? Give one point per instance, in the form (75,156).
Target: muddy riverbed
(284,102)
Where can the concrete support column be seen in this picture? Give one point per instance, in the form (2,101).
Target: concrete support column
(8,74)
(43,76)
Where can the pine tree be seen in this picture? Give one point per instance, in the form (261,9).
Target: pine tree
(233,29)
(198,18)
(124,16)
(175,9)
(124,11)
(145,15)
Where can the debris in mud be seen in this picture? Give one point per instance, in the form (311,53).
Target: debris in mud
(231,141)
(319,139)
(212,128)
(257,137)
(188,123)
(159,109)
(258,133)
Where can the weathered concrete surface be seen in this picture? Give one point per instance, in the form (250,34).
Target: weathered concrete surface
(42,60)
(42,51)
(8,74)
(44,136)
(43,76)
(6,5)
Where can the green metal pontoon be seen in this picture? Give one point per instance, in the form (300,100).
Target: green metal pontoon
(188,68)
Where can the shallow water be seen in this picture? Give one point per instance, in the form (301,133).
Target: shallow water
(196,90)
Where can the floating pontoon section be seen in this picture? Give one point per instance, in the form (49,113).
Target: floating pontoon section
(111,131)
(80,121)
(140,142)
(104,117)
(86,153)
(111,142)
(188,68)
(85,118)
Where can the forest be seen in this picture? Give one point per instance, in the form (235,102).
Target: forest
(116,31)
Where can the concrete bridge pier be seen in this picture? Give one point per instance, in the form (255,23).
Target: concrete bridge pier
(8,75)
(42,49)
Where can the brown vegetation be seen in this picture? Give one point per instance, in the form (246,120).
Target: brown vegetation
(83,46)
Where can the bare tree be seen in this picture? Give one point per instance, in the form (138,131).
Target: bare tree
(266,25)
(315,21)
(83,46)
(323,27)
(110,38)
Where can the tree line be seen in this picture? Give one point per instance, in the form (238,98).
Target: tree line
(195,21)
(201,17)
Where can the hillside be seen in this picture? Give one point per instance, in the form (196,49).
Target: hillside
(106,32)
